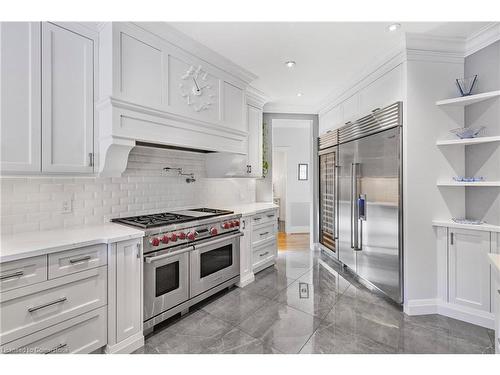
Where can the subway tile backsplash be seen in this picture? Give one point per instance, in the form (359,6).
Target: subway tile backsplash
(38,203)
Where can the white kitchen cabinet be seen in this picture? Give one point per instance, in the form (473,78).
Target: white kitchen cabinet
(246,272)
(234,105)
(331,119)
(20,97)
(350,108)
(125,305)
(469,272)
(67,100)
(254,161)
(382,92)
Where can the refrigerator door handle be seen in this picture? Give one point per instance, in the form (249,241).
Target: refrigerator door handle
(337,200)
(354,207)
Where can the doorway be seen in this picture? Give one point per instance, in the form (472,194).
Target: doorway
(280,160)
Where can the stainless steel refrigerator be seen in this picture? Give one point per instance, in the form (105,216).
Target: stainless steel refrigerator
(361,198)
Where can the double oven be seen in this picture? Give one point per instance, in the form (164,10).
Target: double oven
(183,275)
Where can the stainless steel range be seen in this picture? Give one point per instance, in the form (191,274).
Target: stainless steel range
(188,256)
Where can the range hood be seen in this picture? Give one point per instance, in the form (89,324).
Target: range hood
(123,125)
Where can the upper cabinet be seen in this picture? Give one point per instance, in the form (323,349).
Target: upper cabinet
(254,160)
(47,101)
(20,97)
(372,95)
(67,100)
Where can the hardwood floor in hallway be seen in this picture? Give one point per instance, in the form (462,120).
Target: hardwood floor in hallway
(293,241)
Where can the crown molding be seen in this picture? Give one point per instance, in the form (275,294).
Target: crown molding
(255,97)
(290,108)
(370,73)
(169,33)
(483,38)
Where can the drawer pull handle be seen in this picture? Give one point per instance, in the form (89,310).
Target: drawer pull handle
(264,254)
(57,348)
(270,216)
(11,275)
(78,260)
(498,291)
(264,234)
(60,300)
(257,218)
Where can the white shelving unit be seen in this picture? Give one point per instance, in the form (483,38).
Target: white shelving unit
(464,101)
(468,141)
(475,184)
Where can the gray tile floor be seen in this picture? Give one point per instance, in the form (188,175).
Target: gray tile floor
(304,305)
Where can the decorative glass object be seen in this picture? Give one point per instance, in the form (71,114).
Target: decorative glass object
(468,179)
(465,85)
(463,133)
(467,221)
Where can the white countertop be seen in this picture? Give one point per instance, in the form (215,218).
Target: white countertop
(494,260)
(452,224)
(24,245)
(251,208)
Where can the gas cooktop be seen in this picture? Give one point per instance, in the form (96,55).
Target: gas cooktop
(168,218)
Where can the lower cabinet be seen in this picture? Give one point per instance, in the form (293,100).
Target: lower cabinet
(125,291)
(496,299)
(74,301)
(465,283)
(82,334)
(469,271)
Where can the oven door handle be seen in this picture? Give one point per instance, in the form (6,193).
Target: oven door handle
(167,255)
(216,241)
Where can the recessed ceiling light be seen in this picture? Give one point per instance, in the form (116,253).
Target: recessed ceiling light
(299,94)
(290,64)
(394,27)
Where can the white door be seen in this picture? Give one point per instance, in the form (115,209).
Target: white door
(67,101)
(20,97)
(254,141)
(469,271)
(128,289)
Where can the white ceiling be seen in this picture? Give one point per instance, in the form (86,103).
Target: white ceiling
(328,55)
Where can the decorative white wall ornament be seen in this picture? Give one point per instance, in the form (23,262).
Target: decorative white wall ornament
(197,89)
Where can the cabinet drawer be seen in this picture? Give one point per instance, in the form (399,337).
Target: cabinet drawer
(264,253)
(23,272)
(263,233)
(29,309)
(85,258)
(264,217)
(82,334)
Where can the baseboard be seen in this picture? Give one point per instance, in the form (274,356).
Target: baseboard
(297,230)
(480,318)
(437,306)
(421,307)
(126,346)
(247,279)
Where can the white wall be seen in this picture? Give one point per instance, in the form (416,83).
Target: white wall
(35,203)
(428,80)
(295,136)
(484,203)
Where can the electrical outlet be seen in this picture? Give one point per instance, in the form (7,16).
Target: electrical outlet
(67,206)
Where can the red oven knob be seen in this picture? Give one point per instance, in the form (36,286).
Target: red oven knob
(154,241)
(213,231)
(182,235)
(164,239)
(191,236)
(173,237)
(231,224)
(236,223)
(225,225)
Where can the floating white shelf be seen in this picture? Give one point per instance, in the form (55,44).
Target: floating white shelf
(467,100)
(468,141)
(478,184)
(452,224)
